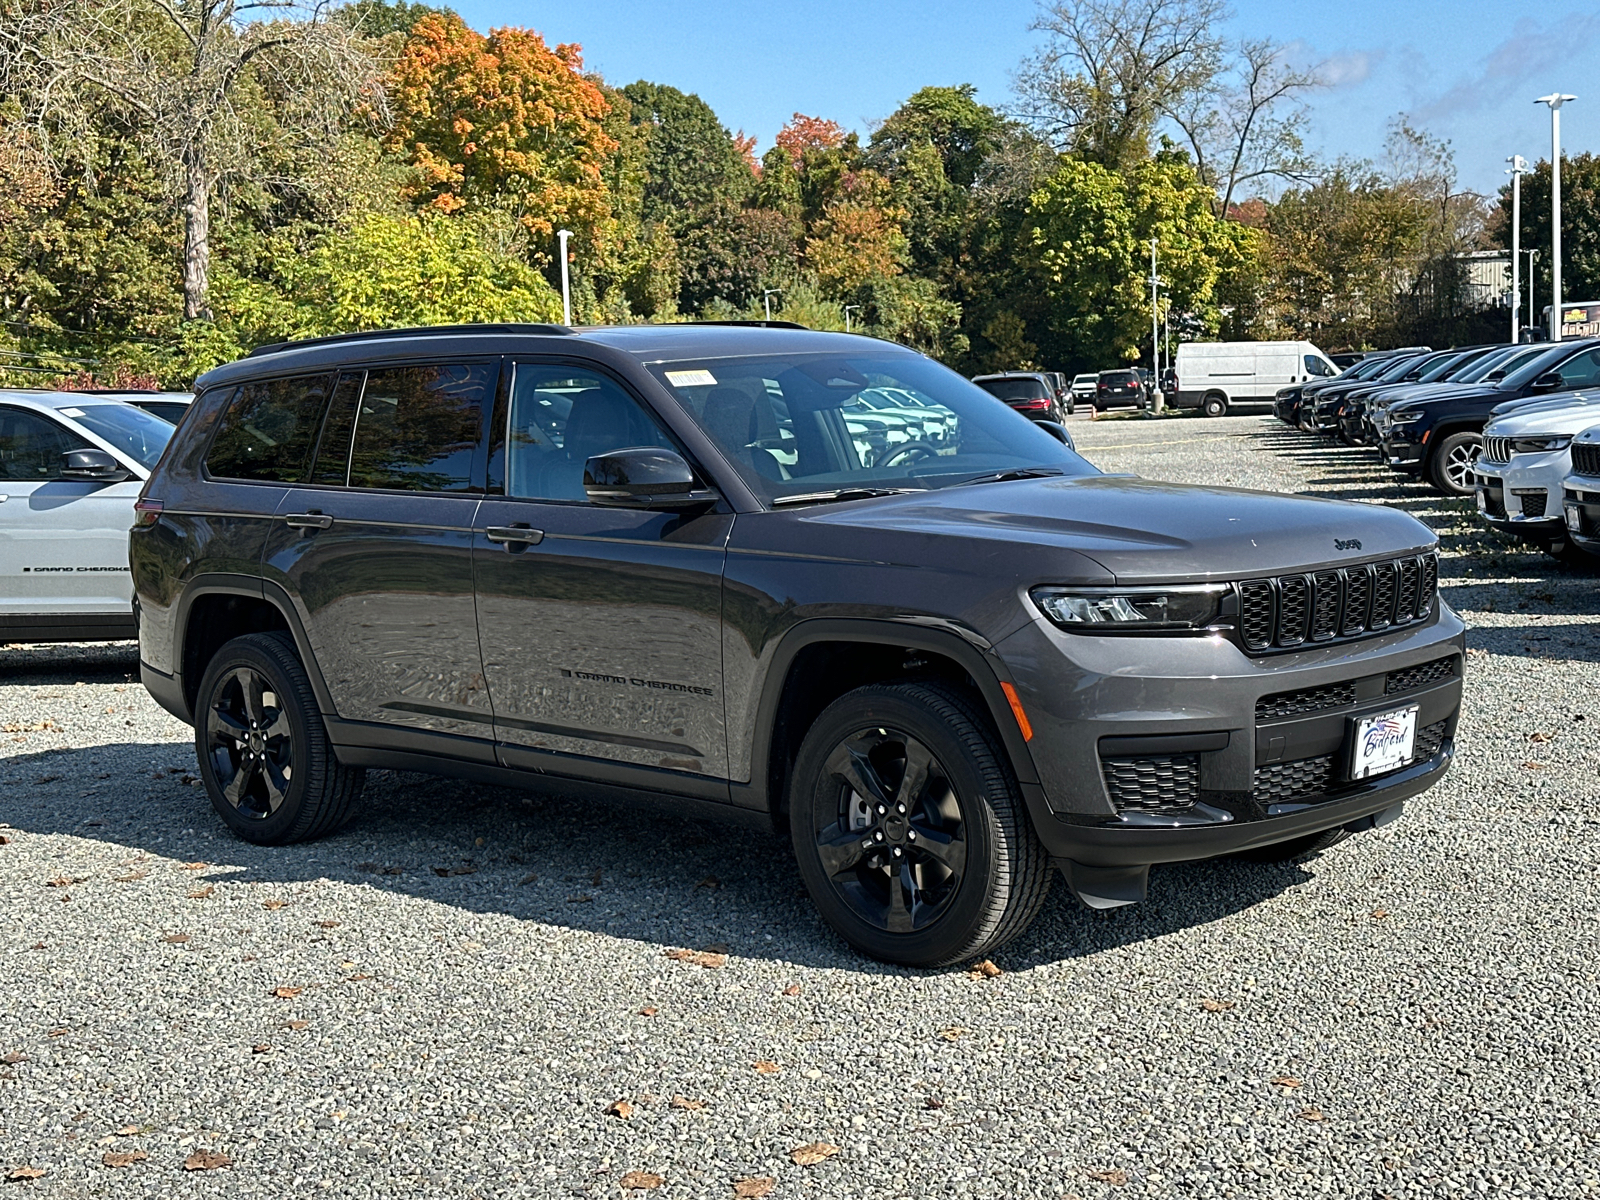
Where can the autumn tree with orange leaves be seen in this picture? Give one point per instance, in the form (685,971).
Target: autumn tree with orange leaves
(504,121)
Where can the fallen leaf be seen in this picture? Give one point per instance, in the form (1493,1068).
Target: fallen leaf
(206,1160)
(1115,1176)
(1530,765)
(134,877)
(620,1109)
(124,1158)
(263,1048)
(357,978)
(754,1187)
(274,903)
(1310,1114)
(952,1034)
(58,1033)
(297,1024)
(642,1181)
(392,871)
(1379,914)
(13,1058)
(18,1174)
(287,993)
(463,869)
(1216,1005)
(1540,736)
(203,893)
(985,970)
(1287,1081)
(527,879)
(598,878)
(812,1153)
(933,1102)
(688,1105)
(649,1010)
(711,882)
(579,899)
(327,924)
(63,881)
(176,938)
(196,866)
(38,946)
(44,779)
(127,1130)
(765,1067)
(792,990)
(700,958)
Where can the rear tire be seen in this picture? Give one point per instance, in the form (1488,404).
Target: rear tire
(959,873)
(1295,848)
(1451,466)
(265,757)
(1215,404)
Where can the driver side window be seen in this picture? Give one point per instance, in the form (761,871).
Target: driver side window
(561,416)
(31,446)
(1582,371)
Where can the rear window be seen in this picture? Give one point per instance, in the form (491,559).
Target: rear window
(269,430)
(1014,389)
(1117,377)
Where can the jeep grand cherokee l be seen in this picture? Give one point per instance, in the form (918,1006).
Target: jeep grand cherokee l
(653,559)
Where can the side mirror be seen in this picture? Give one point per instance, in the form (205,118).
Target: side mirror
(643,477)
(1548,382)
(1058,431)
(94,465)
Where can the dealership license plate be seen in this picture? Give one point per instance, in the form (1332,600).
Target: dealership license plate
(1574,518)
(1383,742)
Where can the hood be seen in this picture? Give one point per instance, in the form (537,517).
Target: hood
(1393,394)
(1141,530)
(1462,392)
(1569,413)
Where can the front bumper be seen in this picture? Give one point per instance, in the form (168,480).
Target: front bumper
(1581,512)
(1260,770)
(1522,498)
(1401,453)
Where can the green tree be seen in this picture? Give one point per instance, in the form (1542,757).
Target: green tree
(1580,226)
(691,160)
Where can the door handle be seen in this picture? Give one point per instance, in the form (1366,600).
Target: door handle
(308,520)
(514,537)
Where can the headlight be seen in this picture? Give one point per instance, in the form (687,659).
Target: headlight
(1535,442)
(1132,610)
(1404,418)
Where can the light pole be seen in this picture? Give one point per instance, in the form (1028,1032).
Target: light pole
(766,300)
(847,309)
(1155,332)
(1519,168)
(1555,100)
(566,285)
(1533,257)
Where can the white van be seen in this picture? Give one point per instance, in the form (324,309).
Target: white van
(1215,376)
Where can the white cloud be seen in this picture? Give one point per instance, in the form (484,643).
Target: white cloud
(1524,60)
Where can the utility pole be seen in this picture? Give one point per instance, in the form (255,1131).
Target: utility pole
(1155,332)
(1555,100)
(847,309)
(766,300)
(566,286)
(1533,257)
(1519,168)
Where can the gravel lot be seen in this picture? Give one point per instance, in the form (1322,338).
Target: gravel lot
(466,978)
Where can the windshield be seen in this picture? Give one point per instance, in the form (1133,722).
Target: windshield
(1365,369)
(1436,369)
(1507,357)
(799,424)
(1465,363)
(1396,370)
(1531,368)
(1084,378)
(140,435)
(1013,389)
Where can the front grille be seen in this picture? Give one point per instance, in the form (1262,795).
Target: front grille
(1325,605)
(1281,783)
(1255,618)
(1586,458)
(1496,450)
(1292,704)
(1153,783)
(1357,598)
(1423,675)
(1533,502)
(1293,609)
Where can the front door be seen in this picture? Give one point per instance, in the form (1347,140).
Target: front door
(600,627)
(375,548)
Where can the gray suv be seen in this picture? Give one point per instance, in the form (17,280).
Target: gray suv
(666,561)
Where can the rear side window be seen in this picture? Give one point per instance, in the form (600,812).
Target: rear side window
(270,429)
(418,427)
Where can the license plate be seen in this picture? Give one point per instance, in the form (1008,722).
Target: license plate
(1574,518)
(1383,742)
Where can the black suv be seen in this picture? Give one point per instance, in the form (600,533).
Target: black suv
(1035,394)
(659,560)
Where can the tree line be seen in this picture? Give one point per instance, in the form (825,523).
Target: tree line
(182,180)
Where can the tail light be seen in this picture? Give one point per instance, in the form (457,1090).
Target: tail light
(146,512)
(1033,405)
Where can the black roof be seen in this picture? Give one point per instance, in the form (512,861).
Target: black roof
(650,343)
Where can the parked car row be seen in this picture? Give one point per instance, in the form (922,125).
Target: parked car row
(1051,396)
(1515,426)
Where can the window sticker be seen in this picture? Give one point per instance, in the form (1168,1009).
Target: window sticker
(74,413)
(691,379)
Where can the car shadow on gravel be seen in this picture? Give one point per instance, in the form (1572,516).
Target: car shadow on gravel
(622,870)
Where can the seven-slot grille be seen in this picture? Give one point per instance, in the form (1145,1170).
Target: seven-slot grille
(1293,609)
(1496,449)
(1586,458)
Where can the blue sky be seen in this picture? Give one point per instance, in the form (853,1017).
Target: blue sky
(1466,71)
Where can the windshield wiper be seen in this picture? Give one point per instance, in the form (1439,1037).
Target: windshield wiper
(1014,473)
(847,493)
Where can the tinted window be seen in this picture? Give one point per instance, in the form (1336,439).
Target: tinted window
(417,428)
(561,417)
(1543,358)
(1582,371)
(1014,389)
(140,435)
(270,429)
(31,446)
(333,451)
(166,410)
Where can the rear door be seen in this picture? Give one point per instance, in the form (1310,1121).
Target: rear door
(63,542)
(601,627)
(375,549)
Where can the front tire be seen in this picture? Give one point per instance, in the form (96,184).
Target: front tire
(265,757)
(909,829)
(1453,464)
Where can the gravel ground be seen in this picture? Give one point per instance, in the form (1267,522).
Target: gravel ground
(444,999)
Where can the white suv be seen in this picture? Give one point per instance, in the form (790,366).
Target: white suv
(1581,491)
(71,466)
(1526,456)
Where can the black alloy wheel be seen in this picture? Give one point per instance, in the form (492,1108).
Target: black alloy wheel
(264,753)
(909,828)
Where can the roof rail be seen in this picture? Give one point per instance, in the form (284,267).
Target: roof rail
(749,324)
(411,331)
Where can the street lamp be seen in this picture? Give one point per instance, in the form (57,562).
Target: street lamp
(847,309)
(1533,257)
(1519,168)
(1155,332)
(766,300)
(1555,100)
(566,286)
